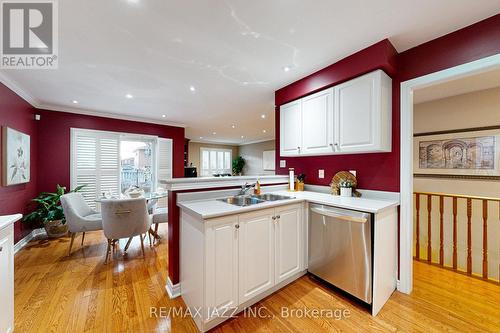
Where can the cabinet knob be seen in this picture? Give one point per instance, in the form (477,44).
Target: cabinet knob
(1,248)
(278,216)
(237,226)
(274,218)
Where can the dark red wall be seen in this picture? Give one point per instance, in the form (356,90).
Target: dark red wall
(375,171)
(54,142)
(381,171)
(16,113)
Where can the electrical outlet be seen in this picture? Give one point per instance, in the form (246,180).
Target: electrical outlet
(321,173)
(353,172)
(282,163)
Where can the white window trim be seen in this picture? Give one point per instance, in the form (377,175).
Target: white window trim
(122,135)
(225,150)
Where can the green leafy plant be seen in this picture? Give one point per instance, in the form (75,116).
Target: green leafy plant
(346,184)
(48,207)
(238,164)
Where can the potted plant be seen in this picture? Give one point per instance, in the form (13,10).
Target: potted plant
(345,188)
(49,212)
(238,164)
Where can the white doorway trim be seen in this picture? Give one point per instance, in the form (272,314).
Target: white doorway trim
(406,178)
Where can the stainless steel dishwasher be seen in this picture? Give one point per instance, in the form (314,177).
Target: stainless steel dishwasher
(340,249)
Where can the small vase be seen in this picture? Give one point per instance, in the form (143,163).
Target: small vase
(346,191)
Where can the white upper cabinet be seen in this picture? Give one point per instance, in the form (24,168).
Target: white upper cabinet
(318,123)
(291,128)
(364,111)
(353,117)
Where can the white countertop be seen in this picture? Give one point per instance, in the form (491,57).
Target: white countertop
(206,209)
(177,184)
(7,220)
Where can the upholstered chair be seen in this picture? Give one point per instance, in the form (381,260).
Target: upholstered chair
(125,219)
(79,216)
(160,215)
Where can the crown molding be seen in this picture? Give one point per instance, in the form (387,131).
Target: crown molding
(256,141)
(15,87)
(59,108)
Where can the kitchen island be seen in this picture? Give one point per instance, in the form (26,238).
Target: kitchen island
(200,186)
(233,256)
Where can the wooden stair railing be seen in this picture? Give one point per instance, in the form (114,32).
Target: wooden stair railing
(469,200)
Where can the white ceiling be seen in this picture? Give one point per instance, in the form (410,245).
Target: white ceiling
(232,52)
(472,83)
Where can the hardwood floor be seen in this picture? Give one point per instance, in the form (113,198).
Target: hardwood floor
(57,293)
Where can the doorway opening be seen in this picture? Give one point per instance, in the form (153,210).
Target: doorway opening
(444,158)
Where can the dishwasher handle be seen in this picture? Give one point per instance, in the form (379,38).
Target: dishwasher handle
(343,217)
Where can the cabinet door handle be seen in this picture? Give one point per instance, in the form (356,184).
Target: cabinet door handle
(274,218)
(1,248)
(237,226)
(278,217)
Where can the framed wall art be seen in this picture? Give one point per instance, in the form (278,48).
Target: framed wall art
(15,157)
(467,153)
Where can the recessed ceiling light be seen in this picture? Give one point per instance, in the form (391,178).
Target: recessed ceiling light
(263,116)
(233,126)
(192,88)
(214,133)
(286,69)
(164,115)
(74,101)
(129,96)
(242,136)
(201,137)
(264,131)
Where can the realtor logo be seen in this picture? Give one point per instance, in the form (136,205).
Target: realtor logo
(29,34)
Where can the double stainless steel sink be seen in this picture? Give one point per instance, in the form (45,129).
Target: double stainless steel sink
(248,200)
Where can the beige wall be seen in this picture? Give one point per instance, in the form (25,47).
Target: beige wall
(252,154)
(194,152)
(464,111)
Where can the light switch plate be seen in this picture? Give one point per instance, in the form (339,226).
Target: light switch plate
(353,172)
(282,163)
(321,173)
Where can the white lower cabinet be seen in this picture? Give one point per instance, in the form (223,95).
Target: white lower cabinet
(7,279)
(245,257)
(221,265)
(289,242)
(256,253)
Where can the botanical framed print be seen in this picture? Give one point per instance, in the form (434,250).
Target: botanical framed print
(469,153)
(15,157)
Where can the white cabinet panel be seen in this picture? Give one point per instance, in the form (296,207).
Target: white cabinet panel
(256,253)
(291,128)
(318,123)
(353,117)
(222,264)
(7,280)
(288,242)
(364,120)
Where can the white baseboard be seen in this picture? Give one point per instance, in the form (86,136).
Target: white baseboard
(23,242)
(173,290)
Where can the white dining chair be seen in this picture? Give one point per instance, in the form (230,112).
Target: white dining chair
(160,215)
(125,218)
(79,216)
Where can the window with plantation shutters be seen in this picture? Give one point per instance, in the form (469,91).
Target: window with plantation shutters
(164,165)
(215,161)
(95,163)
